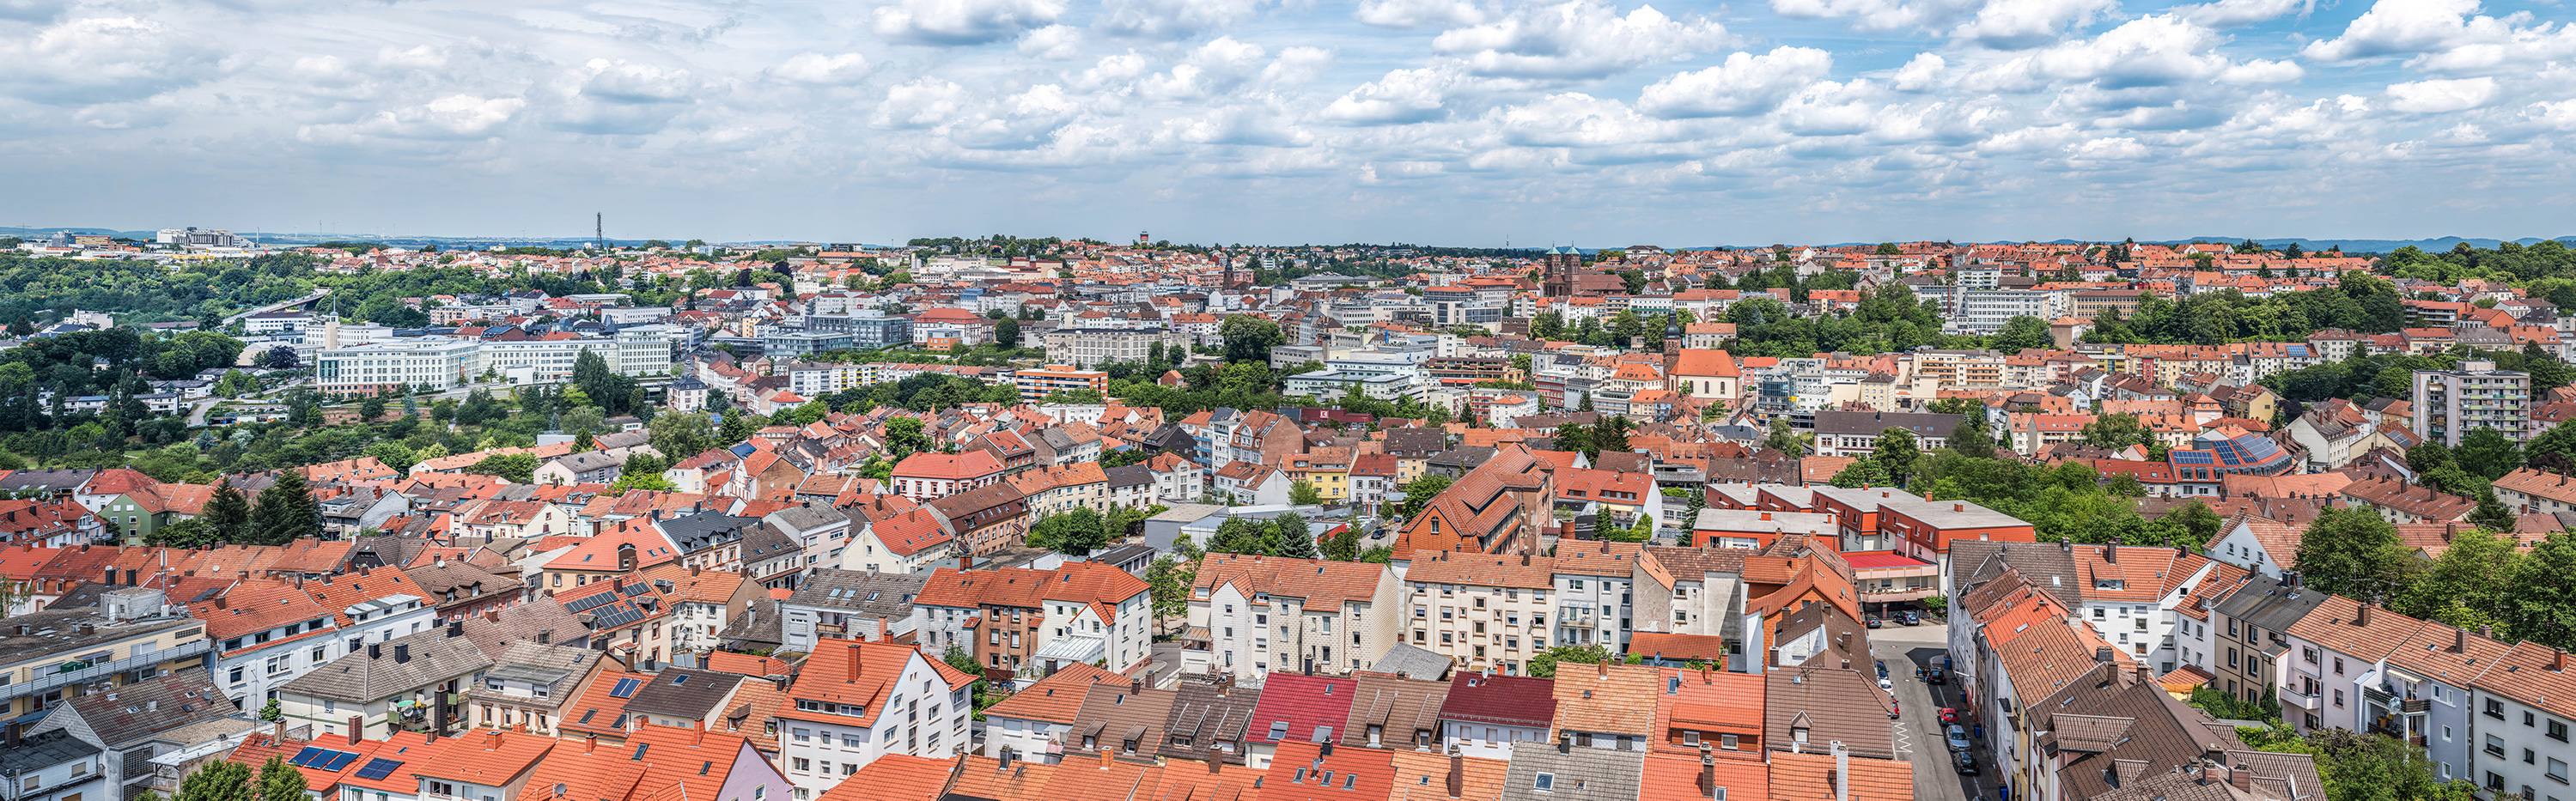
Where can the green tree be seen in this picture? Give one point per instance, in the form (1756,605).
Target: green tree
(1075,533)
(279,781)
(1889,249)
(1611,435)
(1343,545)
(394,455)
(227,513)
(2197,522)
(371,408)
(1007,332)
(1863,472)
(2116,431)
(2559,439)
(1544,664)
(1304,493)
(1249,338)
(1785,439)
(2474,574)
(2356,554)
(220,780)
(2491,512)
(1290,537)
(1419,492)
(516,468)
(2430,456)
(2022,332)
(1170,579)
(285,512)
(680,436)
(2542,604)
(1896,453)
(2486,453)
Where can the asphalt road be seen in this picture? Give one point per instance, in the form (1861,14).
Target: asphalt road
(1905,649)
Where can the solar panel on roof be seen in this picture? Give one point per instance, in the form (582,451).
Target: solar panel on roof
(339,760)
(379,768)
(305,757)
(589,602)
(625,687)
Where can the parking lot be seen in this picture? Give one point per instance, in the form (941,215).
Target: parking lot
(1905,649)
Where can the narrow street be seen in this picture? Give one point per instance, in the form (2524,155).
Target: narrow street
(1905,649)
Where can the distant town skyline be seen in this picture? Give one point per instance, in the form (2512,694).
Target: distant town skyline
(1453,122)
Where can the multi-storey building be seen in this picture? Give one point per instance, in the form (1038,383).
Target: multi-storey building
(1034,622)
(1271,614)
(1484,612)
(1092,347)
(1051,379)
(856,701)
(2449,404)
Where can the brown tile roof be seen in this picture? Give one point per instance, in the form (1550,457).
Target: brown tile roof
(1831,704)
(1056,698)
(1325,585)
(1605,698)
(1809,777)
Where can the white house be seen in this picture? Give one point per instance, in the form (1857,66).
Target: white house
(856,701)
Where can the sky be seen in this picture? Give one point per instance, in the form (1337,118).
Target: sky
(1455,122)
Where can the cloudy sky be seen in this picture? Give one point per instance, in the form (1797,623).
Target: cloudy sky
(1468,122)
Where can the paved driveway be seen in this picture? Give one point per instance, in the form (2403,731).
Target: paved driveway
(1905,649)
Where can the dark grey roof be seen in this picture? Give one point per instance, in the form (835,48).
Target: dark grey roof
(2113,715)
(559,667)
(1831,704)
(55,480)
(1132,475)
(871,594)
(137,711)
(2270,603)
(683,693)
(2049,566)
(1123,554)
(1417,442)
(43,751)
(1206,714)
(700,531)
(765,542)
(1578,774)
(399,665)
(58,631)
(1409,661)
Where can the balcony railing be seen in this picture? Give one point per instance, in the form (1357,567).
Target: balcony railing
(97,671)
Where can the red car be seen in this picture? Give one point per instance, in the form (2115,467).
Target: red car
(1949,716)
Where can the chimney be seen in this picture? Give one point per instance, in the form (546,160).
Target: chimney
(1704,677)
(1842,772)
(357,728)
(402,653)
(2065,545)
(1105,750)
(590,744)
(1457,775)
(854,663)
(2111,553)
(1564,741)
(111,576)
(2557,659)
(693,570)
(1766,516)
(2361,615)
(1707,771)
(2241,777)
(456,628)
(2290,579)
(492,615)
(1958,507)
(1135,686)
(222,603)
(1603,668)
(626,557)
(2459,641)
(1215,766)
(375,650)
(965,563)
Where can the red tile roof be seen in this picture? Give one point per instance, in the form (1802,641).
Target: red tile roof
(1303,703)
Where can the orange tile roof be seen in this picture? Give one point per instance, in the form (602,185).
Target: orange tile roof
(1057,698)
(895,777)
(491,758)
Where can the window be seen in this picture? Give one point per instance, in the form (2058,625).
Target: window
(2495,708)
(1544,782)
(2495,746)
(2558,730)
(1726,741)
(804,764)
(2558,770)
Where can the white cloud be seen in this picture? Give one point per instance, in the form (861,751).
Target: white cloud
(450,117)
(1213,68)
(1053,42)
(2402,27)
(919,103)
(104,59)
(2560,114)
(1879,15)
(1922,73)
(1745,84)
(1578,39)
(2442,95)
(2017,24)
(1419,13)
(1403,96)
(2233,13)
(816,69)
(1174,19)
(625,98)
(964,22)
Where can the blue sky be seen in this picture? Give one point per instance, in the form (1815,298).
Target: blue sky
(1468,122)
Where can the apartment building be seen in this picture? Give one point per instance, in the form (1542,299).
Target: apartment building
(855,702)
(1040,382)
(1092,347)
(1484,612)
(1035,622)
(1267,615)
(2451,403)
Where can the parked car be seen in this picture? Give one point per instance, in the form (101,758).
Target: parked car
(1875,621)
(1949,715)
(1885,684)
(1958,737)
(1965,762)
(1936,676)
(1909,617)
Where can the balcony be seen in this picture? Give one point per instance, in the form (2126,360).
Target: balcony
(2308,701)
(104,670)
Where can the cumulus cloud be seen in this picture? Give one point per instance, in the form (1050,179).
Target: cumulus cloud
(1921,73)
(451,117)
(1211,69)
(2406,27)
(2233,13)
(104,59)
(964,22)
(816,69)
(2441,96)
(624,98)
(1746,84)
(1053,43)
(919,103)
(1403,96)
(1419,13)
(2018,24)
(1174,19)
(1578,39)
